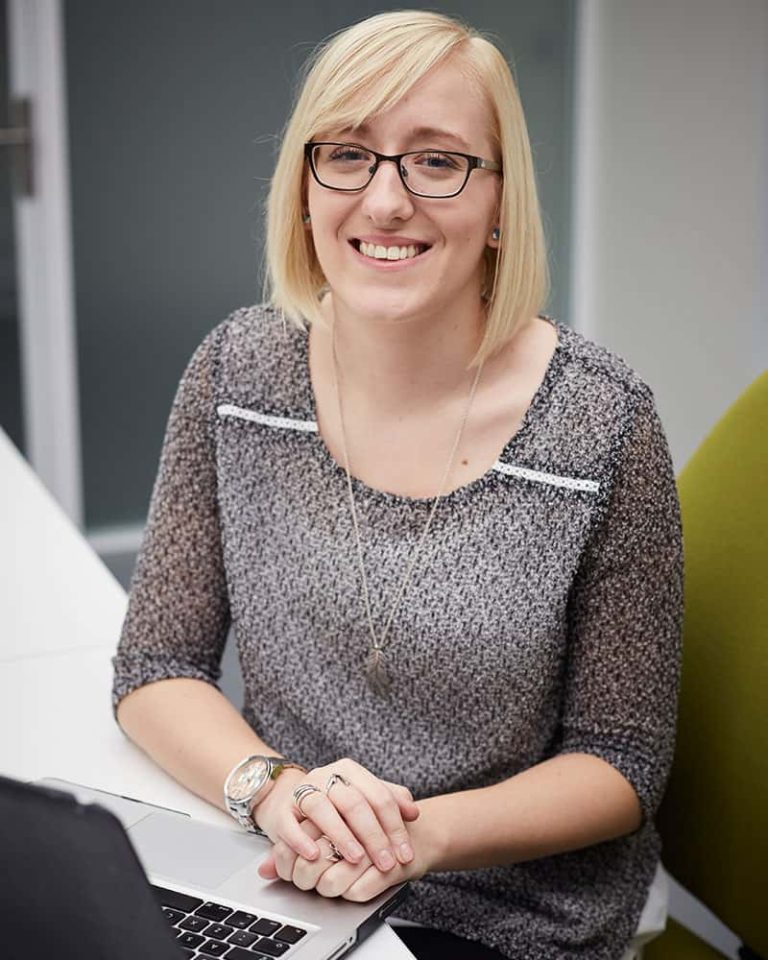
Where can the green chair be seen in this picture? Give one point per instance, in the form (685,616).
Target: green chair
(714,818)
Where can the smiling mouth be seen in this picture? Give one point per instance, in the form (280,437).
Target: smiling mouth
(377,251)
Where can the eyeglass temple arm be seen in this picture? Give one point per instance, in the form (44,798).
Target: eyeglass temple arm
(487,164)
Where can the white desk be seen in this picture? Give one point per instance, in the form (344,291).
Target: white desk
(60,616)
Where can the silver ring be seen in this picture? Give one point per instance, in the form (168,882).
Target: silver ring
(333,780)
(301,793)
(334,856)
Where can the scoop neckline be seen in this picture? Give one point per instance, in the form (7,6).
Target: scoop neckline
(527,425)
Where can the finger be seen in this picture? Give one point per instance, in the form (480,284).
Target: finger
(307,873)
(285,859)
(340,877)
(372,814)
(300,840)
(369,885)
(321,811)
(383,799)
(267,868)
(358,774)
(409,809)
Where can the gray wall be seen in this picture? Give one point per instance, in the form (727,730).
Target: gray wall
(175,109)
(676,271)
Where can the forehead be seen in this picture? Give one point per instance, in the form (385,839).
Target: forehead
(446,107)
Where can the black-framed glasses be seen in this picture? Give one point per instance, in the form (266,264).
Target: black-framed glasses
(424,173)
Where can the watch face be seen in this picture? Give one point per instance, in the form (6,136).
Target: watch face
(250,778)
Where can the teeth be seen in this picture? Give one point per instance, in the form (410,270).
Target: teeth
(379,252)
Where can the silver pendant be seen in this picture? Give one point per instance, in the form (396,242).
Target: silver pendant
(375,672)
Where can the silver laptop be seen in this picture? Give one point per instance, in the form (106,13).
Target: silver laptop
(205,880)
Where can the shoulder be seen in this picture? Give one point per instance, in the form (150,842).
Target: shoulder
(254,354)
(599,386)
(591,403)
(251,330)
(599,370)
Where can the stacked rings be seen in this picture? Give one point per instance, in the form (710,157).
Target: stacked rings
(301,793)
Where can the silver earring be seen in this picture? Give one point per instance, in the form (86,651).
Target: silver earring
(495,234)
(306,218)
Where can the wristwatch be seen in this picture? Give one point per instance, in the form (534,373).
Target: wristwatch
(247,784)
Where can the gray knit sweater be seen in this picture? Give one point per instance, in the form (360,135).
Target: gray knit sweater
(543,618)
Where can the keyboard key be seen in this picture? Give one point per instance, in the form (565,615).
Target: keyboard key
(290,934)
(214,948)
(179,901)
(193,923)
(265,927)
(239,953)
(241,919)
(172,916)
(214,911)
(188,953)
(189,939)
(273,948)
(241,938)
(219,931)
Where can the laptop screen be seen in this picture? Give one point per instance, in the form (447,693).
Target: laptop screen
(71,886)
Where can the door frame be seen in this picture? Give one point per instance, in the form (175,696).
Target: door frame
(44,262)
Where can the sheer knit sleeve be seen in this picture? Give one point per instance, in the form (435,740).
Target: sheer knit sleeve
(178,611)
(625,614)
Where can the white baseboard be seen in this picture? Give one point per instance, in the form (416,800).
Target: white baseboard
(111,541)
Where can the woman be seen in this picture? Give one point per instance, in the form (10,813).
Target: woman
(443,525)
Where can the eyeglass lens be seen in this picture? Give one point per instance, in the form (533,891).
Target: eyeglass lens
(431,173)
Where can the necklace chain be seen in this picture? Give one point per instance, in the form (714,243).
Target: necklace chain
(375,669)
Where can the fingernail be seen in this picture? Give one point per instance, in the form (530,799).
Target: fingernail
(355,851)
(312,851)
(406,853)
(386,860)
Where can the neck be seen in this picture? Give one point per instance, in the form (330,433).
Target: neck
(407,365)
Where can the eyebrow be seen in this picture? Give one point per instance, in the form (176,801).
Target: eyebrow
(417,133)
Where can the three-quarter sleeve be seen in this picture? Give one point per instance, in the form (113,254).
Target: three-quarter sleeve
(625,617)
(178,610)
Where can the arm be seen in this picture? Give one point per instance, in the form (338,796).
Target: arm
(565,803)
(619,707)
(192,731)
(167,664)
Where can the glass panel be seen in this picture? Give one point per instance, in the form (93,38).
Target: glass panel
(174,110)
(10,366)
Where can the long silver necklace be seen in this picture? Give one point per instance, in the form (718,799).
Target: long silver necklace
(375,668)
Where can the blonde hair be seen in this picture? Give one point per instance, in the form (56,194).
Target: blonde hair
(362,71)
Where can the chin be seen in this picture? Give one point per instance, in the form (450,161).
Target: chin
(379,305)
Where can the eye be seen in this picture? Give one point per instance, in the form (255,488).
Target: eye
(347,153)
(435,160)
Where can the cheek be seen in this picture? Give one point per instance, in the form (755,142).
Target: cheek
(329,212)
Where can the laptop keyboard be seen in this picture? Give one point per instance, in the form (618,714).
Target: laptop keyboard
(206,929)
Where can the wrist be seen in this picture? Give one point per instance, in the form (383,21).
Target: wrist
(277,793)
(429,841)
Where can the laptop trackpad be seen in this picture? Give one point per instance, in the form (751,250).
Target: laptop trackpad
(193,853)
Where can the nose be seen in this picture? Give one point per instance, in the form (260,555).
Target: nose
(385,198)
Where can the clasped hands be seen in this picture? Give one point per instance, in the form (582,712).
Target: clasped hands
(350,838)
